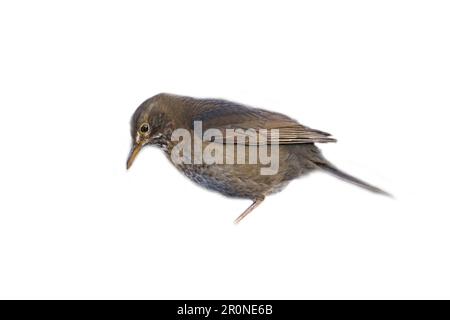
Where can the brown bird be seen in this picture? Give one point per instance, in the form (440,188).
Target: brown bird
(236,128)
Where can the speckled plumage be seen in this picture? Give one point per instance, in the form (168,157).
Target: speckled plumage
(245,180)
(297,153)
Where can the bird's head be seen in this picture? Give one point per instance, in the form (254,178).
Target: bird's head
(149,125)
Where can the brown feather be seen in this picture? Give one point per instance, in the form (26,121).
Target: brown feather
(223,114)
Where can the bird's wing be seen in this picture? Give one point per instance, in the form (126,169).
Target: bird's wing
(223,115)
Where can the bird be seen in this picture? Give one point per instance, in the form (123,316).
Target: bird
(236,126)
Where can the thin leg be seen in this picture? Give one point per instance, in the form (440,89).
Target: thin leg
(256,203)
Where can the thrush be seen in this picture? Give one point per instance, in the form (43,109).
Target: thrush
(235,127)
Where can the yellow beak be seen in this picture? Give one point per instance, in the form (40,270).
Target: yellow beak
(133,154)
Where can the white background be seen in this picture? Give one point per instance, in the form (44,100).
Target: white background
(75,224)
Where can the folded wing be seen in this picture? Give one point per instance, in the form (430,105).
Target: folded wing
(252,122)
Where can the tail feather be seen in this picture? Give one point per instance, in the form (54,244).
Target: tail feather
(346,177)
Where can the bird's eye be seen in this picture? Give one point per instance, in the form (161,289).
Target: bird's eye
(144,128)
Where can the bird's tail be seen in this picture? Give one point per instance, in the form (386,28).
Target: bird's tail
(346,177)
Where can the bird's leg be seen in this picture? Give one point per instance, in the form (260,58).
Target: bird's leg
(256,203)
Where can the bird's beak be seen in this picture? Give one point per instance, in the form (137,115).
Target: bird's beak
(133,154)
